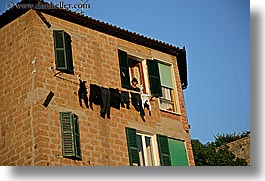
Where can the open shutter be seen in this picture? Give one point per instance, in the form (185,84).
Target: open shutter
(68,142)
(165,75)
(163,150)
(76,133)
(132,146)
(63,51)
(154,77)
(68,53)
(124,69)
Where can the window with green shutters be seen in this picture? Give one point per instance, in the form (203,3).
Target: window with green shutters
(130,67)
(145,150)
(161,84)
(63,51)
(70,136)
(141,148)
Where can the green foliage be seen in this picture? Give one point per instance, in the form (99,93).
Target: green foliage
(222,139)
(217,153)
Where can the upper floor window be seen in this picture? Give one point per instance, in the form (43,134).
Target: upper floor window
(63,51)
(161,85)
(130,67)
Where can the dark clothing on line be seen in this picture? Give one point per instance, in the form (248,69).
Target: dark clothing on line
(82,93)
(105,107)
(115,98)
(125,99)
(137,102)
(95,95)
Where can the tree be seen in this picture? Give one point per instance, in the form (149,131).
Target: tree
(217,153)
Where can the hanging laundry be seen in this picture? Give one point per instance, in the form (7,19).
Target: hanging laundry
(146,103)
(82,93)
(95,95)
(105,107)
(125,99)
(115,98)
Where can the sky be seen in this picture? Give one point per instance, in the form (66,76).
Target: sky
(216,35)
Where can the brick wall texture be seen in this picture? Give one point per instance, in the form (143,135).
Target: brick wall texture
(31,133)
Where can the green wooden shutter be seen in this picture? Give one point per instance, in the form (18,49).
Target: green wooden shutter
(124,69)
(76,133)
(68,142)
(63,51)
(165,75)
(68,53)
(163,150)
(155,84)
(177,153)
(132,146)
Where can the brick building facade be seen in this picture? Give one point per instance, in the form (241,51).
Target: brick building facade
(49,51)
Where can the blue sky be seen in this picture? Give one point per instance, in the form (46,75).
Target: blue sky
(216,34)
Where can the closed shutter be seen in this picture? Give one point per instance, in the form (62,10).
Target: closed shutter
(154,77)
(177,153)
(163,150)
(70,136)
(132,146)
(77,138)
(63,51)
(124,69)
(68,142)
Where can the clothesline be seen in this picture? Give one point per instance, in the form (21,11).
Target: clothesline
(78,76)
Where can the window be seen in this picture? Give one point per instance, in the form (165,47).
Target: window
(161,85)
(141,148)
(145,150)
(130,67)
(63,51)
(70,136)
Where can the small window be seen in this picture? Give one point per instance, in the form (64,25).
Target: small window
(63,51)
(130,67)
(70,136)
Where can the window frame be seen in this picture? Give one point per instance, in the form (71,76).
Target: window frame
(154,146)
(67,52)
(124,58)
(174,90)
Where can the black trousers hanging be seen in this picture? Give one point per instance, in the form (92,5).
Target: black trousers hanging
(105,107)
